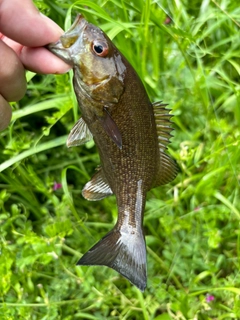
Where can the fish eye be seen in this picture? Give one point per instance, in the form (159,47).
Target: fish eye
(100,48)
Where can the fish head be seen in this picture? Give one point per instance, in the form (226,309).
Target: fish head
(98,65)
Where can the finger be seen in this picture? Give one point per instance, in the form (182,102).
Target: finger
(33,29)
(39,59)
(5,113)
(12,80)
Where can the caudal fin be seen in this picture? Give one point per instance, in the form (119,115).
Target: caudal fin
(123,252)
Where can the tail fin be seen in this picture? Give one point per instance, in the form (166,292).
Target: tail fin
(123,252)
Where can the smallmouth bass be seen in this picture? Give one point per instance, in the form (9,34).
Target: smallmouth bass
(131,135)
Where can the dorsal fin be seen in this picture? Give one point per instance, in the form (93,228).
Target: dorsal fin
(168,169)
(79,134)
(97,188)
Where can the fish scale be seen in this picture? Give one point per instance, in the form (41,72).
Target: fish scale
(131,135)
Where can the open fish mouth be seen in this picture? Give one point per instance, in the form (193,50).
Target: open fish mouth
(56,46)
(61,52)
(75,31)
(68,39)
(78,24)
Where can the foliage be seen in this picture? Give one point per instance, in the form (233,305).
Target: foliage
(187,54)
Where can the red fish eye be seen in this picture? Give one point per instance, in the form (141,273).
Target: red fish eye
(100,48)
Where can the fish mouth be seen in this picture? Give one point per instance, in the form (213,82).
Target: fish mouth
(60,51)
(79,23)
(62,47)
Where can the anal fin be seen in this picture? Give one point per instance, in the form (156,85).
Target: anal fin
(97,188)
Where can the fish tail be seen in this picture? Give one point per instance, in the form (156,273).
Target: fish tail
(124,252)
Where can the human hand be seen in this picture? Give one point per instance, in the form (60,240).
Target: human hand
(23,33)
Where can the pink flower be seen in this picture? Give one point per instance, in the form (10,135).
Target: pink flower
(57,186)
(197,208)
(168,20)
(209,298)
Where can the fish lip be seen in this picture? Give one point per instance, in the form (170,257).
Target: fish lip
(55,46)
(61,52)
(75,31)
(78,23)
(59,48)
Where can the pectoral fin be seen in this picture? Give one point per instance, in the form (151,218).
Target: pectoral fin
(79,134)
(111,128)
(97,188)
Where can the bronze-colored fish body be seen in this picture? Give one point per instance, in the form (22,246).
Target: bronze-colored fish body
(131,135)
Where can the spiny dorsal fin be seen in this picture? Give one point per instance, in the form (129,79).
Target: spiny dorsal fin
(79,134)
(97,188)
(168,169)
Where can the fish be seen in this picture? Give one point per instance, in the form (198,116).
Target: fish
(131,135)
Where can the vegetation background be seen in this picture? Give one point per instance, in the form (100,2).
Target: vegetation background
(187,54)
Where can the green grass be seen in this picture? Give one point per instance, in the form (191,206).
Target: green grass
(191,225)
